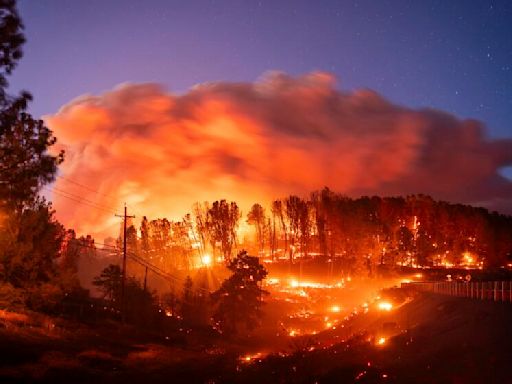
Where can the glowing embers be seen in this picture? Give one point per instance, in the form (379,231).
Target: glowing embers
(384,306)
(293,283)
(206,260)
(249,358)
(335,309)
(381,341)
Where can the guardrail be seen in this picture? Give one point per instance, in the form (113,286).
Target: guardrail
(478,290)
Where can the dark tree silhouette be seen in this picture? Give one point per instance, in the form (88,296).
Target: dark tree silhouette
(222,222)
(238,301)
(256,217)
(25,164)
(109,282)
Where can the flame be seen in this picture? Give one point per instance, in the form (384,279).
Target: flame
(207,260)
(335,308)
(385,306)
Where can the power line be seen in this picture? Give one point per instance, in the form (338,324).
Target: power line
(142,261)
(112,198)
(80,201)
(85,187)
(82,198)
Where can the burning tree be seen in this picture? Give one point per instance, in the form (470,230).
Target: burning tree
(222,223)
(238,301)
(256,217)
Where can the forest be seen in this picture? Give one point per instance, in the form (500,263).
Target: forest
(360,233)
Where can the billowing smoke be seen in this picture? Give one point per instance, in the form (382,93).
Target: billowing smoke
(160,152)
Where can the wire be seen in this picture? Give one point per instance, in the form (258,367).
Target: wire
(85,187)
(140,260)
(82,198)
(80,201)
(114,199)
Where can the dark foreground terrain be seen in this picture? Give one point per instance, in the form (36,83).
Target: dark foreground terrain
(436,340)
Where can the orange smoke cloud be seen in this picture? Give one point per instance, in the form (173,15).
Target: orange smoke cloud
(161,152)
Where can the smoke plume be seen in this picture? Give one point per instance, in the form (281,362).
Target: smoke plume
(250,142)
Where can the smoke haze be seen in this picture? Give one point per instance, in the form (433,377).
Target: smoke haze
(250,142)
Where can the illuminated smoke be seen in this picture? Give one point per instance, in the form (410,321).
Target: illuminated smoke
(249,142)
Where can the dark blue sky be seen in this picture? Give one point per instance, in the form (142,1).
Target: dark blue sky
(451,55)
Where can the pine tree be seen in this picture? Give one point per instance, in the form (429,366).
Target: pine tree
(239,299)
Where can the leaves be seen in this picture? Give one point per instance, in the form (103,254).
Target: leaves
(238,300)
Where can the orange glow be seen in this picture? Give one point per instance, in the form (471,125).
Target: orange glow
(385,306)
(207,260)
(381,341)
(250,357)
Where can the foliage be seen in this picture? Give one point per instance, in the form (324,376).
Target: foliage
(238,300)
(11,298)
(30,245)
(25,164)
(140,306)
(109,282)
(30,237)
(222,222)
(256,217)
(11,42)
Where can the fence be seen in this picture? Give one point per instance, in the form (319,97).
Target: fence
(478,290)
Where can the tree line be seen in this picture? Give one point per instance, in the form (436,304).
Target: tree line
(357,233)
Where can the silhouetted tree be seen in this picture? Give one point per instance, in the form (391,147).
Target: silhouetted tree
(238,300)
(278,213)
(222,223)
(25,163)
(256,217)
(109,282)
(200,212)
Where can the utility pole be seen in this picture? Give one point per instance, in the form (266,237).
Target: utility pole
(123,281)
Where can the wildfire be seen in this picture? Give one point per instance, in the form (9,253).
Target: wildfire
(207,260)
(385,306)
(293,283)
(335,308)
(251,357)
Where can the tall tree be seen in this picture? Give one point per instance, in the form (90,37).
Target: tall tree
(25,164)
(30,245)
(109,283)
(144,236)
(222,223)
(256,217)
(278,212)
(200,212)
(238,301)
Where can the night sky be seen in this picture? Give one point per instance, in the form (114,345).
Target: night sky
(452,55)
